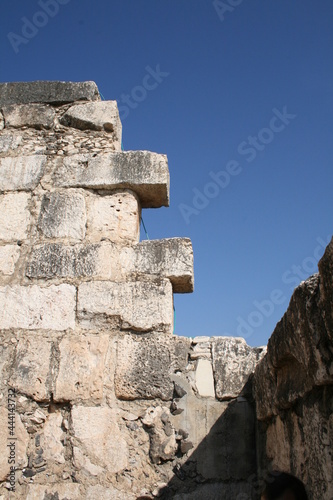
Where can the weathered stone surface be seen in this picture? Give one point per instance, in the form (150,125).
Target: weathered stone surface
(102,115)
(2,121)
(31,366)
(51,439)
(63,214)
(171,257)
(20,444)
(14,216)
(81,368)
(54,491)
(109,493)
(143,172)
(9,255)
(33,307)
(29,115)
(98,434)
(233,363)
(9,142)
(163,444)
(47,92)
(145,366)
(141,306)
(115,217)
(21,173)
(204,379)
(75,261)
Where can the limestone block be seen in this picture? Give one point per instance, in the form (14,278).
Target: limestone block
(47,92)
(2,122)
(233,363)
(108,493)
(29,115)
(51,439)
(57,260)
(33,307)
(99,437)
(102,115)
(14,216)
(9,255)
(9,142)
(141,306)
(31,366)
(21,172)
(204,379)
(81,368)
(145,173)
(58,491)
(172,258)
(20,444)
(145,366)
(63,214)
(115,217)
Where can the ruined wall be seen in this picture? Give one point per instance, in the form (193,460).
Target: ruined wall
(294,387)
(98,398)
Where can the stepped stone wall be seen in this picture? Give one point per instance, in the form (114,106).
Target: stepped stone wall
(98,398)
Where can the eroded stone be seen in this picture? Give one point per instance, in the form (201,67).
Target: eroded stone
(29,115)
(9,256)
(20,444)
(14,216)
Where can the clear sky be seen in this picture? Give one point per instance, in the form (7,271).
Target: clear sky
(238,94)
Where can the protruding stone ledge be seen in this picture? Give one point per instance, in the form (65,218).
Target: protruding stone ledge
(170,257)
(140,306)
(47,92)
(144,172)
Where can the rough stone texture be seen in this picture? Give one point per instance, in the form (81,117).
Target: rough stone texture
(172,258)
(47,92)
(55,491)
(294,387)
(76,261)
(2,122)
(30,368)
(108,493)
(163,444)
(21,173)
(29,115)
(63,215)
(94,116)
(204,380)
(115,217)
(143,172)
(219,491)
(14,216)
(9,256)
(51,439)
(9,142)
(141,306)
(81,368)
(21,442)
(98,434)
(33,307)
(233,363)
(145,365)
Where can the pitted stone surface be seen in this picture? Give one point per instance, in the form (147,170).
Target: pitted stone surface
(143,172)
(145,366)
(63,214)
(29,115)
(141,306)
(47,92)
(14,216)
(33,307)
(21,173)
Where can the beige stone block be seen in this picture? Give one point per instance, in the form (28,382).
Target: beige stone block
(19,445)
(81,368)
(108,493)
(204,379)
(29,115)
(31,366)
(21,172)
(33,307)
(99,437)
(51,439)
(59,491)
(14,216)
(9,255)
(141,306)
(115,217)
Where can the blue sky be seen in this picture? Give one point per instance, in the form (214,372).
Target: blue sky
(242,104)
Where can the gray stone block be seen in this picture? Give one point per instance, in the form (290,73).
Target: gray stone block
(143,172)
(28,115)
(47,92)
(21,173)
